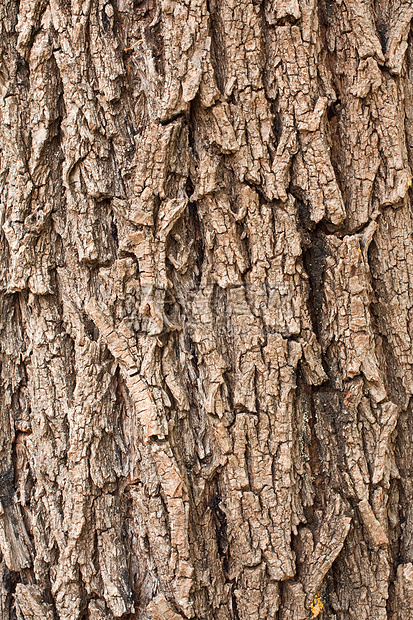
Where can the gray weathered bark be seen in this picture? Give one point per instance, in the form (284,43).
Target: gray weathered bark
(206,309)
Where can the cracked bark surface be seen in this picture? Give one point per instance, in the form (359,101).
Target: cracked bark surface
(206,310)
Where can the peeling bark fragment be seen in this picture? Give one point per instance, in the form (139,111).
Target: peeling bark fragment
(346,321)
(329,540)
(391,278)
(397,33)
(15,544)
(404,591)
(30,603)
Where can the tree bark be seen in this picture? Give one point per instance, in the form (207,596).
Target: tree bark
(206,309)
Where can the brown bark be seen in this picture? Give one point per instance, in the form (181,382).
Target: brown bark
(206,338)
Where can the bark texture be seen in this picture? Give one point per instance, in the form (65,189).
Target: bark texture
(206,300)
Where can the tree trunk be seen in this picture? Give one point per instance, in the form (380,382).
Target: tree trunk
(206,338)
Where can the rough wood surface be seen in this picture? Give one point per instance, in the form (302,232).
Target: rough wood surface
(205,309)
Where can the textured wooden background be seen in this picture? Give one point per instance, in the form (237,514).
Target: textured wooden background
(205,325)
